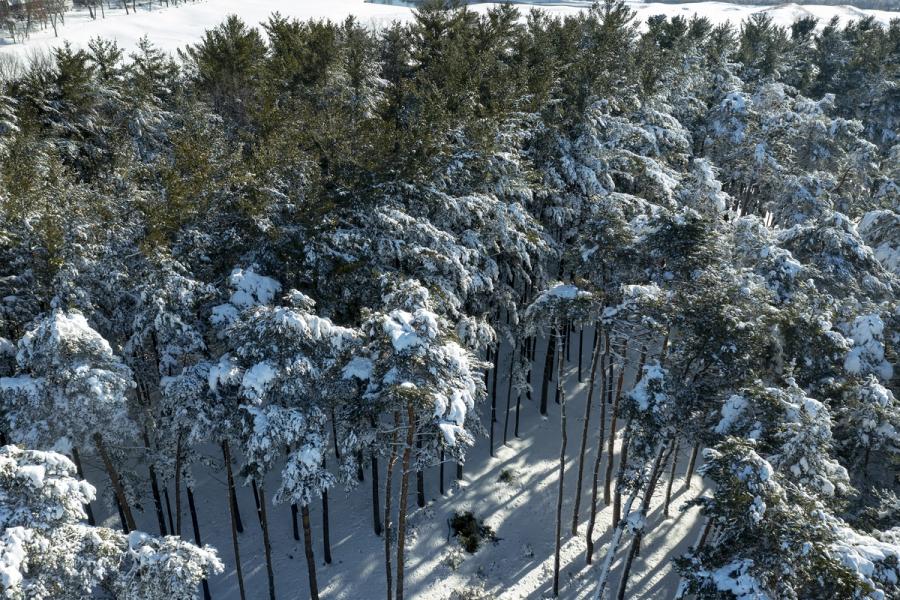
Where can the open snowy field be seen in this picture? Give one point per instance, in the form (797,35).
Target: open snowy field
(173,27)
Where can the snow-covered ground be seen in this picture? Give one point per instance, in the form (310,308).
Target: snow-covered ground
(522,513)
(173,27)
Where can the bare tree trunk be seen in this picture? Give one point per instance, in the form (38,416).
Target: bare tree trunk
(691,463)
(584,433)
(580,352)
(169,509)
(441,484)
(326,528)
(388,492)
(612,432)
(562,464)
(547,376)
(671,480)
(76,458)
(623,462)
(512,360)
(178,452)
(232,504)
(376,510)
(404,497)
(267,543)
(420,480)
(192,507)
(116,482)
(601,438)
(310,557)
(611,550)
(154,488)
(494,398)
(635,549)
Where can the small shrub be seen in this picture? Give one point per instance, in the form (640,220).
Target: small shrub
(469,531)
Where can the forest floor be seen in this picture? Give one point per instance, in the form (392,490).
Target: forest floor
(518,565)
(175,26)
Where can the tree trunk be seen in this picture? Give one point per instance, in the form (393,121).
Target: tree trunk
(404,497)
(601,438)
(691,463)
(611,551)
(334,436)
(548,375)
(388,493)
(623,462)
(376,510)
(656,470)
(169,508)
(192,507)
(459,471)
(671,480)
(326,528)
(360,472)
(562,465)
(494,399)
(584,434)
(178,453)
(607,483)
(154,489)
(580,352)
(441,469)
(509,385)
(295,527)
(76,458)
(116,482)
(232,503)
(310,557)
(420,480)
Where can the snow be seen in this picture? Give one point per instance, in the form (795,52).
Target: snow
(359,367)
(407,330)
(736,579)
(13,556)
(731,411)
(34,474)
(867,354)
(173,27)
(257,379)
(872,559)
(252,289)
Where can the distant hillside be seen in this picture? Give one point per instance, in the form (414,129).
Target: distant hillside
(891,5)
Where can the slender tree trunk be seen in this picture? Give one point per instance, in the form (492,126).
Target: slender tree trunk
(360,471)
(420,480)
(584,434)
(295,526)
(326,529)
(691,463)
(388,493)
(232,504)
(607,483)
(115,481)
(562,466)
(496,371)
(178,457)
(441,469)
(267,543)
(192,507)
(404,497)
(494,398)
(611,550)
(76,458)
(671,480)
(334,436)
(376,510)
(635,550)
(459,471)
(154,488)
(623,462)
(169,508)
(310,557)
(580,352)
(548,375)
(509,385)
(601,437)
